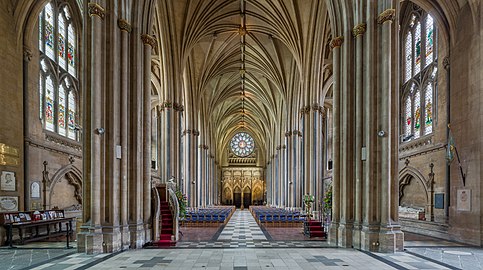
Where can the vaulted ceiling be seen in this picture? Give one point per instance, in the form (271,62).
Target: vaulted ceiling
(242,64)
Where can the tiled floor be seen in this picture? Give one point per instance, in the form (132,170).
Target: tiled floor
(242,227)
(241,244)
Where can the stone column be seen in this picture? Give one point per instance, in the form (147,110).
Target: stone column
(125,30)
(390,236)
(297,157)
(149,43)
(89,240)
(336,198)
(358,33)
(288,169)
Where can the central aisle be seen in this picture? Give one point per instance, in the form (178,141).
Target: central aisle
(242,227)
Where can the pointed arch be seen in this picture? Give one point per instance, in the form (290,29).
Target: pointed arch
(406,175)
(73,175)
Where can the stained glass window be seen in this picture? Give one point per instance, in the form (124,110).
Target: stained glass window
(49,31)
(71,115)
(409,56)
(242,144)
(57,81)
(419,70)
(428,108)
(429,40)
(417,37)
(417,114)
(61,42)
(71,54)
(49,104)
(408,117)
(61,111)
(41,95)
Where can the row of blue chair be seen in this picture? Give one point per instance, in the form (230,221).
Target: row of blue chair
(207,216)
(276,216)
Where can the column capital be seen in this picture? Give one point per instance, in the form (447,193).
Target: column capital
(359,29)
(305,110)
(148,40)
(124,25)
(336,42)
(96,10)
(386,15)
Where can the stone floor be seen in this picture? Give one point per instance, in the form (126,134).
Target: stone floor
(241,244)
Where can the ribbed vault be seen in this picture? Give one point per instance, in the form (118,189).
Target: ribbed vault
(245,65)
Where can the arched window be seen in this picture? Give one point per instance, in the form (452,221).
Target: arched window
(58,83)
(419,73)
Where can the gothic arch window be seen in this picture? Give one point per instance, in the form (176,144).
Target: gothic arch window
(419,73)
(58,82)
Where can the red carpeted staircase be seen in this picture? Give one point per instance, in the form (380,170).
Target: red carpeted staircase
(314,228)
(166,227)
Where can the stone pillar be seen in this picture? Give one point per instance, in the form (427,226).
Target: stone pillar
(336,196)
(370,223)
(89,240)
(390,236)
(297,161)
(288,169)
(149,43)
(125,30)
(358,33)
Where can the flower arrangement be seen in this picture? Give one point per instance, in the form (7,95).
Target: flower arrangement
(309,198)
(182,202)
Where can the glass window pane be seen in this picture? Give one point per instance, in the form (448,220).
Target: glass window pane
(41,33)
(428,108)
(41,95)
(61,113)
(61,42)
(72,110)
(49,31)
(417,114)
(408,116)
(429,40)
(417,40)
(71,53)
(49,104)
(409,56)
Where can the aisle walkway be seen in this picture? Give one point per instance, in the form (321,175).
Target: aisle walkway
(242,227)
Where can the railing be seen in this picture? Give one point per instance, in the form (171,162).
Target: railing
(157,214)
(173,202)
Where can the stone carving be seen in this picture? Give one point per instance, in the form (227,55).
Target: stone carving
(97,10)
(336,42)
(64,142)
(386,15)
(446,63)
(77,184)
(27,54)
(148,40)
(359,29)
(124,25)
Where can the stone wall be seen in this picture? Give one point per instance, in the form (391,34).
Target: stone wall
(11,103)
(465,116)
(466,123)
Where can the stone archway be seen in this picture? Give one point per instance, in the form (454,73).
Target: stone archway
(413,194)
(66,189)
